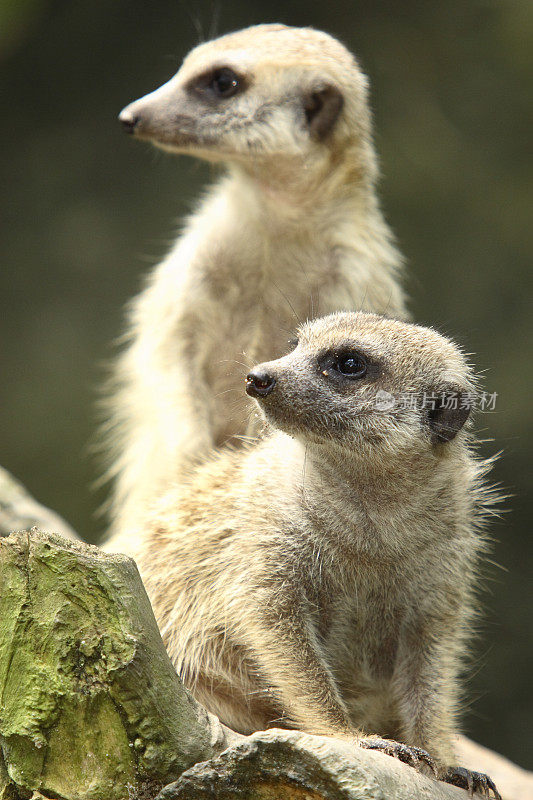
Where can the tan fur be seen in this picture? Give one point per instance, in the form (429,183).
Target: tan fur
(322,578)
(293,230)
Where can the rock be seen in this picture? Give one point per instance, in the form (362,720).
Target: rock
(290,765)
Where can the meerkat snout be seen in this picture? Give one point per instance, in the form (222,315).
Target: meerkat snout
(128,119)
(152,116)
(259,383)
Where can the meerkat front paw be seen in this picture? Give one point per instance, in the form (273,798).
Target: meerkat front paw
(472,781)
(414,756)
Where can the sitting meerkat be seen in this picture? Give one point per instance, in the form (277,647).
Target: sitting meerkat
(324,577)
(291,231)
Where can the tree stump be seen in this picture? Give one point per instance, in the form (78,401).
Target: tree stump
(91,707)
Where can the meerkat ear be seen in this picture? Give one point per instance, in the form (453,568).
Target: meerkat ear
(449,415)
(322,108)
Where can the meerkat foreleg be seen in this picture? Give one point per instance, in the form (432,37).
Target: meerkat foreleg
(300,680)
(425,686)
(290,661)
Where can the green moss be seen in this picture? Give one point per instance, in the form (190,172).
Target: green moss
(90,705)
(89,755)
(61,640)
(7,788)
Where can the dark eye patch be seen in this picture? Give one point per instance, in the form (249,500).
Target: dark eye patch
(346,364)
(219,83)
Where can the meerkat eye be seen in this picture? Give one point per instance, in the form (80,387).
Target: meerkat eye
(224,82)
(350,364)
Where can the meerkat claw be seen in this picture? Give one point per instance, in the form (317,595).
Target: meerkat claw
(472,781)
(413,756)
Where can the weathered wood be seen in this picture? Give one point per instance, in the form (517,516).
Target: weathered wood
(90,707)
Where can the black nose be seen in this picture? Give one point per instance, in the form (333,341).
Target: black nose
(129,120)
(259,383)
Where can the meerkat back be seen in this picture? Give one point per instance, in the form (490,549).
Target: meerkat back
(292,230)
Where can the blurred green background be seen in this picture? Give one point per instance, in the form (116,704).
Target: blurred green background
(85,211)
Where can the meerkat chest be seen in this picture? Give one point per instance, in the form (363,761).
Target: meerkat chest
(253,312)
(261,289)
(363,634)
(228,357)
(362,649)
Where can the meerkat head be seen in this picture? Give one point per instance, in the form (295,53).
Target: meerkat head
(363,382)
(265,93)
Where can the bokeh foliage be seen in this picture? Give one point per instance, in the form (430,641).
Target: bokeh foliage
(85,212)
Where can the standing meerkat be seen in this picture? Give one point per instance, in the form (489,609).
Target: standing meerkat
(324,578)
(292,230)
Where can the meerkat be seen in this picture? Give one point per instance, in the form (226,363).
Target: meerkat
(291,231)
(323,577)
